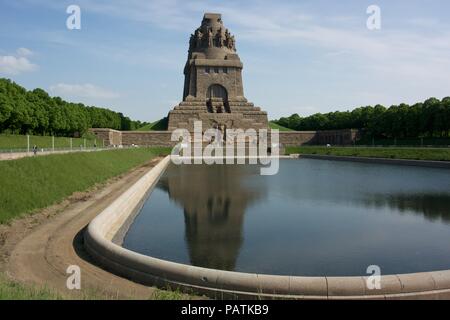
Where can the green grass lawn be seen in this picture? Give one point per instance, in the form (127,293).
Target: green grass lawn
(392,153)
(10,290)
(273,125)
(33,183)
(13,290)
(13,141)
(160,125)
(367,141)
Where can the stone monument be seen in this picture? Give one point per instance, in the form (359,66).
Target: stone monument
(213,90)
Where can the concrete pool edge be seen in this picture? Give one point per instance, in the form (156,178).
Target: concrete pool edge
(227,284)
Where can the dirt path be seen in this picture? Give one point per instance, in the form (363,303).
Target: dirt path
(38,249)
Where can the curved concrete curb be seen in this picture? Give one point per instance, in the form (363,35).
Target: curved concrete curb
(227,284)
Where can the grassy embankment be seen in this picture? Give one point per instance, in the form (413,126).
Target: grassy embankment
(436,154)
(33,183)
(14,141)
(159,125)
(30,184)
(273,125)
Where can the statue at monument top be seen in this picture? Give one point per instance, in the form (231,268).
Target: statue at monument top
(210,38)
(212,34)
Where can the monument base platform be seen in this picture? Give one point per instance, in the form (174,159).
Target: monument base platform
(216,114)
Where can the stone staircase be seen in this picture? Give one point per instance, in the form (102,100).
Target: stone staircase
(243,115)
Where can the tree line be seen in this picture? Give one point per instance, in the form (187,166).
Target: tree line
(35,112)
(425,119)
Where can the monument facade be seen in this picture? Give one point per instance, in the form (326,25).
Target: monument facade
(213,90)
(214,94)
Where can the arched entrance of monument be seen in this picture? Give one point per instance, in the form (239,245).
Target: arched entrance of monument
(217,99)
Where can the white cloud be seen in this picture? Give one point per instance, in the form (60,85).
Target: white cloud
(16,64)
(290,27)
(406,59)
(24,52)
(86,90)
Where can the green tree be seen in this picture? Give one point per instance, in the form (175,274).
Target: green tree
(23,111)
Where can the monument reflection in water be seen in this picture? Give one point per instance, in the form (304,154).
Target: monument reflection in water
(313,218)
(214,203)
(213,200)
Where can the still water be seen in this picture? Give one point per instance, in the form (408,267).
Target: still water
(314,218)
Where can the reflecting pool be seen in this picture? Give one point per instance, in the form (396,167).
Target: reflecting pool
(314,218)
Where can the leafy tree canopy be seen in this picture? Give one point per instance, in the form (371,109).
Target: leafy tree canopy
(35,112)
(428,119)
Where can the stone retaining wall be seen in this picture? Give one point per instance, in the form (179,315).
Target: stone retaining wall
(287,138)
(109,136)
(297,138)
(148,138)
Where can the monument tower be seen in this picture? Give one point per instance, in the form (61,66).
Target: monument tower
(213,90)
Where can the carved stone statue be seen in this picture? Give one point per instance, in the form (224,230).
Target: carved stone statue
(206,37)
(219,38)
(192,42)
(233,43)
(227,38)
(210,38)
(198,38)
(230,42)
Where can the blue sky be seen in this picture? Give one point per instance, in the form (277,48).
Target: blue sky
(299,56)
